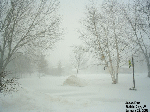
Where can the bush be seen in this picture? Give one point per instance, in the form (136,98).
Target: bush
(8,86)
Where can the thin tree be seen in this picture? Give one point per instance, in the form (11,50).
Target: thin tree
(137,14)
(79,58)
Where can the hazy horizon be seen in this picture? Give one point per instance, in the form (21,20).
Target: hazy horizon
(72,12)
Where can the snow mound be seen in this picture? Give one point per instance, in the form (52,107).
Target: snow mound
(74,81)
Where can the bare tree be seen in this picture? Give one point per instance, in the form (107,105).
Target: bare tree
(26,24)
(137,14)
(79,58)
(105,34)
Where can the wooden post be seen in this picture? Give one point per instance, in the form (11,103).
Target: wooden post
(133,72)
(133,88)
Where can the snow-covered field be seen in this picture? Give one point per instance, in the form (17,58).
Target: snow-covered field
(95,94)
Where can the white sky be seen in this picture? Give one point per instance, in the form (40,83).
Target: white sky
(71,11)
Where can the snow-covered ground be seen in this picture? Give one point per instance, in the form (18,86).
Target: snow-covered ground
(97,94)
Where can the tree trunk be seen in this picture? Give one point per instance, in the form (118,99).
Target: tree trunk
(1,73)
(116,77)
(118,59)
(0,83)
(112,74)
(113,79)
(148,67)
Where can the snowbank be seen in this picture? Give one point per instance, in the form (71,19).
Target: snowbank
(74,81)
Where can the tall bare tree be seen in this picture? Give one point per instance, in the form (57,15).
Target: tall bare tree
(105,34)
(137,14)
(26,24)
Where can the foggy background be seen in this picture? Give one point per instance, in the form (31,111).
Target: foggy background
(72,12)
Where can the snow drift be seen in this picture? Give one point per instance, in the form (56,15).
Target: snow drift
(74,81)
